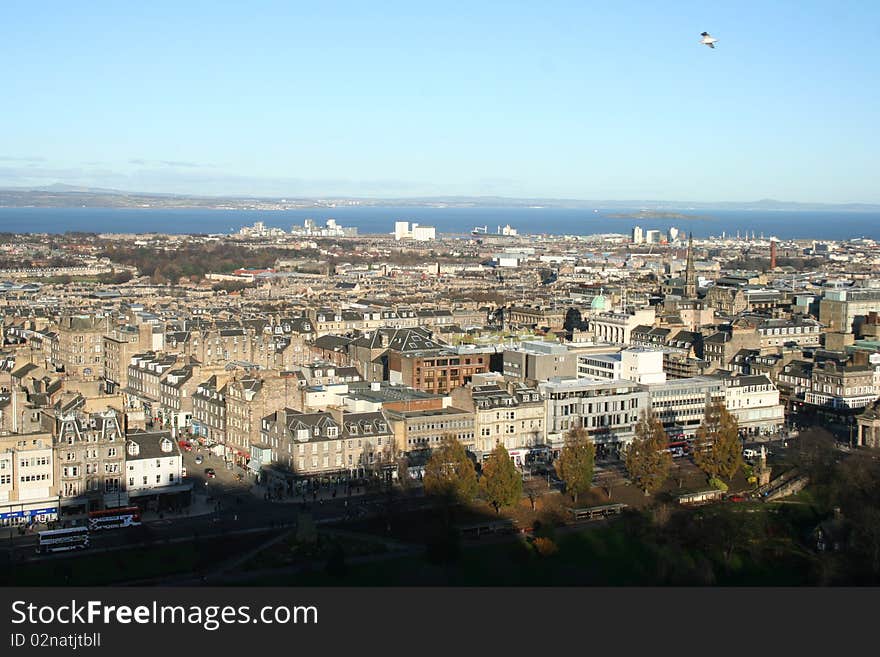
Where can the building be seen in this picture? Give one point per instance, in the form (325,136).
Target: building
(28,481)
(120,344)
(608,410)
(249,398)
(421,431)
(846,310)
(417,233)
(539,361)
(508,414)
(638,364)
(327,443)
(616,327)
(869,426)
(754,401)
(89,458)
(154,470)
(680,404)
(80,346)
(842,386)
(416,360)
(209,410)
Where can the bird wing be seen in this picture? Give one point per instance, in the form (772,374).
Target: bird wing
(711,45)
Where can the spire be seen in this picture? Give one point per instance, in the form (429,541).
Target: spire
(690,274)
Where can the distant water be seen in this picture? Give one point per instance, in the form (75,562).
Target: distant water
(374,220)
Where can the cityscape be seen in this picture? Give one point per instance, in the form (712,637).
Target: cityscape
(322,322)
(323,406)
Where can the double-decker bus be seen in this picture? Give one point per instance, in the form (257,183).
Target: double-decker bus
(59,540)
(127,516)
(678,448)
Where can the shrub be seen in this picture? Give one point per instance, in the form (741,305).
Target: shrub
(715,482)
(545,547)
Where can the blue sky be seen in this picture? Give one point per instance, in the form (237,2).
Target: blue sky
(589,100)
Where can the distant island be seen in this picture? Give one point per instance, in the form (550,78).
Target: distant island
(653,214)
(70,196)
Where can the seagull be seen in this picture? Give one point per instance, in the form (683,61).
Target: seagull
(708,39)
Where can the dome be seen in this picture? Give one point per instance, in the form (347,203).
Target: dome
(598,302)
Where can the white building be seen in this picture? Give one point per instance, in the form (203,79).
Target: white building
(638,364)
(754,401)
(653,236)
(608,410)
(418,233)
(638,235)
(153,465)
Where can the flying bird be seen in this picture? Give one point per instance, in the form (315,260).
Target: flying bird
(708,39)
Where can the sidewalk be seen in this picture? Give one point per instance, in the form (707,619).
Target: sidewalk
(325,494)
(200,507)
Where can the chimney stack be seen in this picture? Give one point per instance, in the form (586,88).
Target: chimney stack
(772,255)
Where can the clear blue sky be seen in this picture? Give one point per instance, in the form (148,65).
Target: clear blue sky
(590,100)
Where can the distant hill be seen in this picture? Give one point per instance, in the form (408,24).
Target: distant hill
(61,195)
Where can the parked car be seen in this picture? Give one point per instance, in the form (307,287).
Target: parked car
(209,472)
(199,460)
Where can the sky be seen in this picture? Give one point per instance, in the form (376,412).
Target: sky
(582,100)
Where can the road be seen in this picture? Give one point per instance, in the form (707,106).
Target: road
(232,507)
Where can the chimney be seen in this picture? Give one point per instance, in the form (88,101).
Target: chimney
(338,413)
(772,254)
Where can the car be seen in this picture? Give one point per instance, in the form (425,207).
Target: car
(209,472)
(199,460)
(749,453)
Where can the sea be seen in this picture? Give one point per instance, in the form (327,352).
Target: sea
(782,224)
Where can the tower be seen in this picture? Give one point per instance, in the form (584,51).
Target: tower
(690,274)
(772,254)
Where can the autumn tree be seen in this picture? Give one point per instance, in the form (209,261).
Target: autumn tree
(717,449)
(450,473)
(576,463)
(501,482)
(647,461)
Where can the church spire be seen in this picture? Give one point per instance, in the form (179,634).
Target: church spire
(690,274)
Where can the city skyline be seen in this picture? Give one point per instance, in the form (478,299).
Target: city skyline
(561,102)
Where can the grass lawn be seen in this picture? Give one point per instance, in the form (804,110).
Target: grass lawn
(602,555)
(292,552)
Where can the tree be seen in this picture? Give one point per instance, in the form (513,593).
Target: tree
(576,462)
(647,461)
(717,450)
(501,482)
(450,473)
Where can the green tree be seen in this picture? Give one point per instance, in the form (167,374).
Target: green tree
(450,473)
(501,482)
(576,462)
(717,449)
(647,461)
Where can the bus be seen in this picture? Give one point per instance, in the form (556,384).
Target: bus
(127,516)
(678,448)
(58,540)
